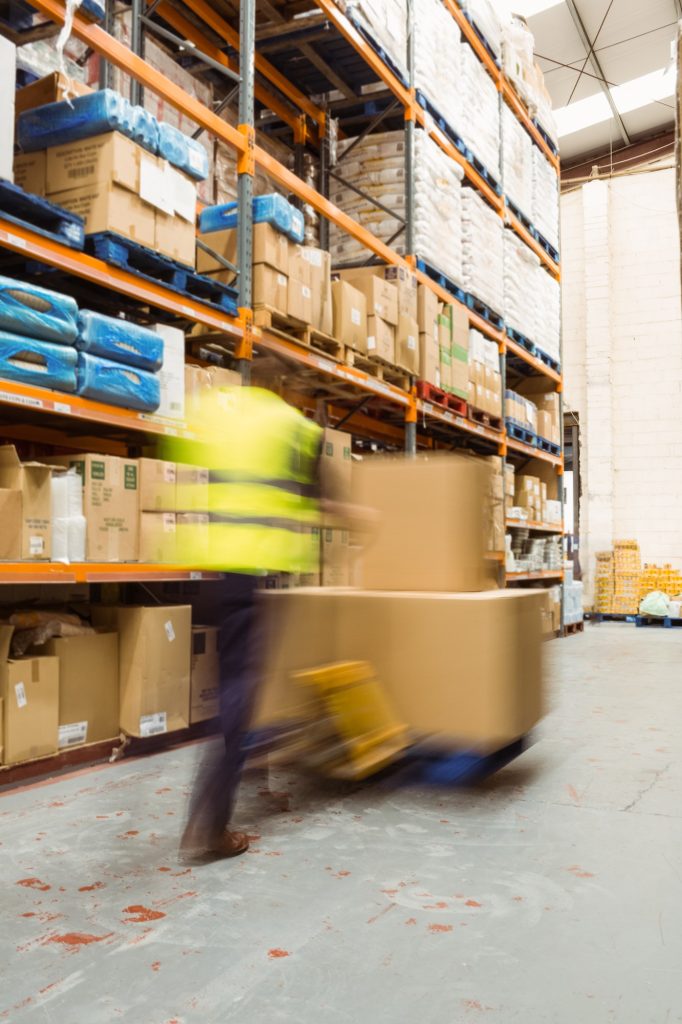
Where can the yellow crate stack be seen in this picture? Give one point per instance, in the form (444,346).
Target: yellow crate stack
(628,571)
(604,583)
(657,577)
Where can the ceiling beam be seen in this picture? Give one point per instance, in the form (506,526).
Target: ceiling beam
(596,66)
(605,163)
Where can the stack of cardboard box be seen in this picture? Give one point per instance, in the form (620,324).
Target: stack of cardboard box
(548,407)
(485,388)
(530,493)
(495,505)
(453,337)
(390,295)
(429,335)
(335,469)
(521,411)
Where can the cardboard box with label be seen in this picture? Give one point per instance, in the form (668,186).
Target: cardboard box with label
(154,668)
(336,464)
(29,688)
(270,288)
(299,301)
(157,484)
(335,558)
(427,309)
(269,246)
(205,674)
(381,295)
(407,344)
(321,288)
(111,504)
(406,283)
(32,482)
(299,265)
(110,208)
(172,373)
(49,89)
(88,687)
(191,488)
(431,534)
(350,316)
(158,538)
(380,340)
(429,359)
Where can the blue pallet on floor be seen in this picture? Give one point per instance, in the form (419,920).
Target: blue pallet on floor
(548,360)
(426,268)
(520,216)
(483,171)
(609,617)
(552,145)
(520,433)
(442,122)
(521,340)
(40,216)
(483,39)
(651,620)
(547,246)
(485,311)
(145,263)
(548,446)
(379,49)
(463,768)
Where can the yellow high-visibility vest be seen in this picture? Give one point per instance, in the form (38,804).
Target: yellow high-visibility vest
(262,457)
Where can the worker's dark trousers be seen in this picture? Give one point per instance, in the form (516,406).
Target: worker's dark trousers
(239,648)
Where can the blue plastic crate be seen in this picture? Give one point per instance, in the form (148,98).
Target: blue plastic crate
(115,384)
(71,120)
(36,312)
(183,151)
(272,209)
(39,363)
(119,340)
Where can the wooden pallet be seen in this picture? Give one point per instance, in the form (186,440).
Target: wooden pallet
(485,418)
(377,368)
(292,329)
(572,628)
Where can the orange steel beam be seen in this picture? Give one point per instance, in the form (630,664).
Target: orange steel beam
(189,31)
(94,572)
(518,227)
(473,40)
(268,70)
(537,364)
(519,108)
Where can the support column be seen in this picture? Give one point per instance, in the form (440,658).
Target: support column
(246,168)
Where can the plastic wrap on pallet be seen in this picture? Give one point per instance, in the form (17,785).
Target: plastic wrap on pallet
(119,340)
(517,162)
(39,363)
(482,251)
(517,57)
(106,381)
(386,22)
(487,20)
(480,123)
(547,292)
(183,151)
(71,120)
(520,282)
(36,312)
(437,68)
(145,129)
(545,213)
(272,209)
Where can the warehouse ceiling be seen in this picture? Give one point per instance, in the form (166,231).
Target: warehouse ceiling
(609,68)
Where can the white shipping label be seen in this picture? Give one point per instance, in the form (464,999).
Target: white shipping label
(202,476)
(313,256)
(169,473)
(154,187)
(20,694)
(36,545)
(170,632)
(153,725)
(196,160)
(182,193)
(355,317)
(411,342)
(70,735)
(305,291)
(371,343)
(281,280)
(169,527)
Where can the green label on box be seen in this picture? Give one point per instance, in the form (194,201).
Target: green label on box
(460,353)
(346,453)
(329,450)
(130,478)
(97,471)
(460,393)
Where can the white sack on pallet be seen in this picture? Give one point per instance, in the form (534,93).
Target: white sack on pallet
(545,213)
(483,350)
(517,162)
(488,21)
(482,250)
(437,71)
(547,334)
(520,285)
(386,22)
(480,122)
(517,57)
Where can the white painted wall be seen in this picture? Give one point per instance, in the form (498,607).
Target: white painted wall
(623,361)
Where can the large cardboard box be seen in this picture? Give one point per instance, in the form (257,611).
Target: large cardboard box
(108,159)
(205,674)
(335,558)
(407,344)
(154,676)
(12,525)
(33,482)
(106,207)
(321,288)
(350,316)
(269,246)
(50,89)
(30,172)
(429,359)
(157,484)
(406,283)
(299,265)
(336,464)
(111,502)
(88,687)
(29,688)
(175,237)
(172,373)
(299,300)
(431,533)
(427,309)
(381,295)
(158,538)
(380,340)
(270,288)
(459,372)
(411,639)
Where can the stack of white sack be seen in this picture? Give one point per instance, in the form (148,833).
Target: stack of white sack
(480,123)
(517,162)
(547,334)
(377,167)
(437,71)
(517,58)
(482,251)
(521,267)
(487,20)
(386,22)
(545,214)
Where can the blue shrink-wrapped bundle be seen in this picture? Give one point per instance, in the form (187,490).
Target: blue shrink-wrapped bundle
(70,120)
(182,151)
(119,340)
(36,312)
(37,362)
(272,209)
(145,129)
(116,384)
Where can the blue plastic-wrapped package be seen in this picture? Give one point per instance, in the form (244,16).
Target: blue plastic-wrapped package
(145,129)
(116,384)
(272,209)
(183,152)
(36,312)
(37,362)
(71,120)
(119,340)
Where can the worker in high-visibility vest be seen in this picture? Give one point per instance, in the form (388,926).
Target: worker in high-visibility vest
(264,501)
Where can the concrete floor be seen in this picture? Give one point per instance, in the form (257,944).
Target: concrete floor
(551,894)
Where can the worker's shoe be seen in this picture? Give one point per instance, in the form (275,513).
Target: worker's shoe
(198,846)
(230,844)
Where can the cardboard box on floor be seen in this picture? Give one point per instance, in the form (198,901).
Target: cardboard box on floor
(88,687)
(51,88)
(111,503)
(205,674)
(154,666)
(32,481)
(409,638)
(431,534)
(350,316)
(29,688)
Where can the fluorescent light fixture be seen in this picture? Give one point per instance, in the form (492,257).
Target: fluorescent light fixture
(632,95)
(529,8)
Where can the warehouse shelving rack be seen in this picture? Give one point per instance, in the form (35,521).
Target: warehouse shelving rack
(361,402)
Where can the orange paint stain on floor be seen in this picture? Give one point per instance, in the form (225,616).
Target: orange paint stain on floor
(34,883)
(91,888)
(579,872)
(74,940)
(437,929)
(140,914)
(277,954)
(473,903)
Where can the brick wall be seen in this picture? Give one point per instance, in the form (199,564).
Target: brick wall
(623,361)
